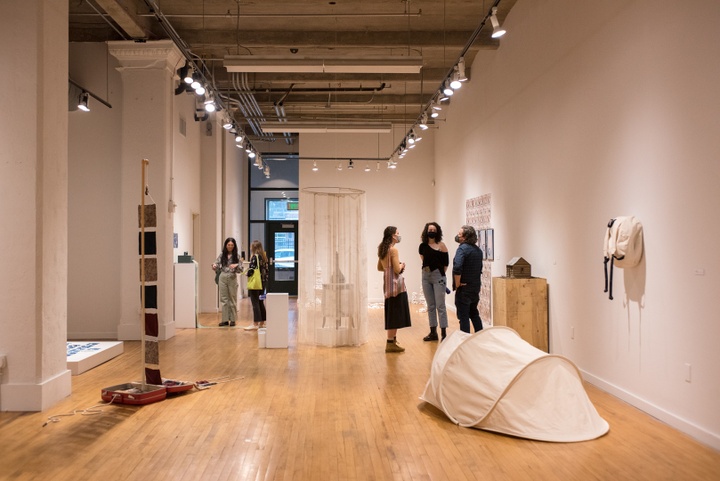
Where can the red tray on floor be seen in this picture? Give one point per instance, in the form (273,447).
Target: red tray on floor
(173,386)
(134,393)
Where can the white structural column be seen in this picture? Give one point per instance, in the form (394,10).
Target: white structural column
(33,205)
(211,212)
(147,71)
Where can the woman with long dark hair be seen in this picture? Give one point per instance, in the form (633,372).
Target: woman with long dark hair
(229,264)
(397,308)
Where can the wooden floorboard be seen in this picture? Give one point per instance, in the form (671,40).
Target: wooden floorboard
(315,413)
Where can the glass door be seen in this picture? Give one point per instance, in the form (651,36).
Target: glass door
(281,246)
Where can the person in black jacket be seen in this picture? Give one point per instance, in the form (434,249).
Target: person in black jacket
(467,273)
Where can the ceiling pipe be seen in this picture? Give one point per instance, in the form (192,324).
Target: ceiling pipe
(281,15)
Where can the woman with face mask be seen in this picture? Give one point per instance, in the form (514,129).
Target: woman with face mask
(435,260)
(397,308)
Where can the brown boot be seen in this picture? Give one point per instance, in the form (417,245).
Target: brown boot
(393,346)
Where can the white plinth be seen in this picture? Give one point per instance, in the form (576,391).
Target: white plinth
(276,304)
(82,356)
(186,295)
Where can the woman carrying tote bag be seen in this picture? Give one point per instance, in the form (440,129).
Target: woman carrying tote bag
(257,279)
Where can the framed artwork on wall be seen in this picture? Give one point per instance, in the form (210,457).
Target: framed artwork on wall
(490,244)
(482,242)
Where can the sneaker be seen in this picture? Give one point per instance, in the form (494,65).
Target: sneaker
(393,347)
(251,327)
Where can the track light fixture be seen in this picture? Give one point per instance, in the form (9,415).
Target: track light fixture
(315,167)
(83,99)
(367,167)
(196,78)
(339,167)
(210,104)
(239,138)
(461,70)
(447,90)
(188,79)
(498,31)
(423,121)
(455,79)
(227,123)
(252,155)
(351,165)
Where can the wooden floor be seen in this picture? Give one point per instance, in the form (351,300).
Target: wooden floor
(314,413)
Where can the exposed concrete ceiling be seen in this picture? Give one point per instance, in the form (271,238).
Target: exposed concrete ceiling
(437,31)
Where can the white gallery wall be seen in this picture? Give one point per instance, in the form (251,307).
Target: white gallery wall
(94,232)
(402,197)
(95,200)
(589,111)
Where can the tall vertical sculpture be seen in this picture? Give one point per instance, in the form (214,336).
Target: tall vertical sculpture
(332,297)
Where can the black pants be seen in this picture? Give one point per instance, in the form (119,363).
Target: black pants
(466,304)
(258,305)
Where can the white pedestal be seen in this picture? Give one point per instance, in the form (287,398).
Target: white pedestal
(84,355)
(186,295)
(276,304)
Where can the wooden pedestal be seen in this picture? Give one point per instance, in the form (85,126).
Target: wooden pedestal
(522,304)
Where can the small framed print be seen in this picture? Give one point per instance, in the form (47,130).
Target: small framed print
(489,244)
(482,241)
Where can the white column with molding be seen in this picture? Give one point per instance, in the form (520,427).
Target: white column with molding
(34,205)
(147,71)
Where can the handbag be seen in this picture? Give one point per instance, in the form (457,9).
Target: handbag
(218,270)
(254,281)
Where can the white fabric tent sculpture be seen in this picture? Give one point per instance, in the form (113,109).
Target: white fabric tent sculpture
(496,381)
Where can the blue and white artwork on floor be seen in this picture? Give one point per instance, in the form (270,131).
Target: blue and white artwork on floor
(85,355)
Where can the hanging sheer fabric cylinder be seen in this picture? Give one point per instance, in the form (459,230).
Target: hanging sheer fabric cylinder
(332,299)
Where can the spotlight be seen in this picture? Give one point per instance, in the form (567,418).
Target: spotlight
(447,90)
(367,167)
(411,137)
(455,81)
(188,79)
(239,138)
(252,155)
(461,69)
(195,82)
(498,31)
(200,90)
(315,167)
(339,167)
(423,121)
(83,99)
(351,165)
(227,124)
(266,171)
(377,167)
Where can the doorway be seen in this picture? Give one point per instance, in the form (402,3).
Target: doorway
(281,241)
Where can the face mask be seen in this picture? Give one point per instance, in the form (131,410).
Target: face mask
(398,239)
(457,239)
(431,235)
